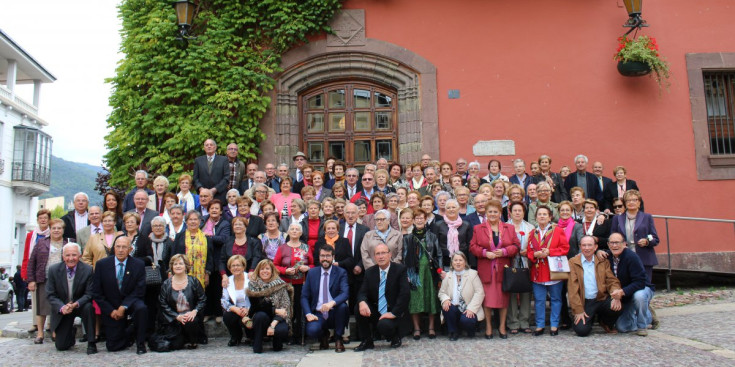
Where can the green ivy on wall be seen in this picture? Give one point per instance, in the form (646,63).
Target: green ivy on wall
(168,99)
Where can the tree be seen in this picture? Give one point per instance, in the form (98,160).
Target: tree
(168,99)
(58,212)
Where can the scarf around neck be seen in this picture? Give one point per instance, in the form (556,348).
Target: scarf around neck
(453,234)
(567,225)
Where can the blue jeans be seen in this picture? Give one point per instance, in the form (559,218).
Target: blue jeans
(635,314)
(539,295)
(457,321)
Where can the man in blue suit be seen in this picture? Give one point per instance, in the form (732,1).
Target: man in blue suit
(586,180)
(323,299)
(118,289)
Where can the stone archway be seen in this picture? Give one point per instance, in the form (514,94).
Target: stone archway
(412,76)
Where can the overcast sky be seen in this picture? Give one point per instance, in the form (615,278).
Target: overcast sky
(78,42)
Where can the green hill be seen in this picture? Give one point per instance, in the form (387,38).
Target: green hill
(69,178)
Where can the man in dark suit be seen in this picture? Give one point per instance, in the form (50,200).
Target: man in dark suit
(352,184)
(211,171)
(520,178)
(69,291)
(616,188)
(118,288)
(382,300)
(602,181)
(146,215)
(141,183)
(299,161)
(324,301)
(478,217)
(250,179)
(354,233)
(587,181)
(78,218)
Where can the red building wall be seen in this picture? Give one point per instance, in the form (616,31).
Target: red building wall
(541,73)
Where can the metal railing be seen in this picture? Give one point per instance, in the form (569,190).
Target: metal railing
(668,239)
(31,172)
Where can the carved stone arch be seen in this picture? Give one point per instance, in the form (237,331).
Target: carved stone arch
(316,63)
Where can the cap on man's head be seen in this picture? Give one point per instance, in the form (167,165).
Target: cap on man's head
(299,154)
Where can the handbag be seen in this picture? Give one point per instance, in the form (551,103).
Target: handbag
(434,266)
(558,267)
(152,275)
(516,279)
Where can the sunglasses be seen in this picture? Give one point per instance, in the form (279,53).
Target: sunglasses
(617,206)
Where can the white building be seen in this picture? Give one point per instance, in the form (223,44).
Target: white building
(25,150)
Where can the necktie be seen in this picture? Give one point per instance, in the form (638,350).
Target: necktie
(97,230)
(325,292)
(349,237)
(209,163)
(120,272)
(299,177)
(600,183)
(382,303)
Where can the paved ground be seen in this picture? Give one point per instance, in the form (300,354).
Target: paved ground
(691,335)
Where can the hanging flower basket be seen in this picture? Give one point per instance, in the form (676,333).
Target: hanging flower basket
(633,68)
(640,56)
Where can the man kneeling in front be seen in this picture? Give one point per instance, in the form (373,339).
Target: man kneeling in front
(636,292)
(590,284)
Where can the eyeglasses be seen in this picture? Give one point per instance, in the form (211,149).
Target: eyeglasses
(617,206)
(543,191)
(260,192)
(615,242)
(351,175)
(381,253)
(380,219)
(367,179)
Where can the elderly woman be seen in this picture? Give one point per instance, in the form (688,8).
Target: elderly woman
(260,193)
(176,225)
(494,243)
(473,169)
(546,240)
(639,231)
(230,210)
(417,180)
(298,208)
(555,181)
(473,183)
(618,206)
(617,189)
(406,221)
(306,170)
(272,239)
(197,248)
(377,202)
(595,224)
(283,200)
(520,303)
(47,252)
(339,191)
(395,171)
(493,172)
(155,200)
(312,226)
(112,202)
(293,260)
(254,223)
(515,194)
(328,209)
(343,255)
(100,245)
(235,303)
(441,202)
(383,233)
(564,171)
(131,221)
(422,258)
(182,301)
(574,232)
(152,249)
(217,230)
(463,197)
(239,244)
(321,192)
(43,216)
(189,200)
(461,296)
(267,207)
(577,195)
(454,233)
(381,182)
(338,170)
(169,200)
(271,306)
(445,172)
(535,169)
(391,204)
(543,190)
(498,191)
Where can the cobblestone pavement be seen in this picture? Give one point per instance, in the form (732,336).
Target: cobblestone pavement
(690,335)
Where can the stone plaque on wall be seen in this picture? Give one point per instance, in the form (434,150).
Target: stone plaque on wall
(494,147)
(349,28)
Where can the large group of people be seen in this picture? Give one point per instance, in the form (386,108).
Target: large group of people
(279,256)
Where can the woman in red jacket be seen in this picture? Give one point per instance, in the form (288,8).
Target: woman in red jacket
(494,243)
(293,259)
(546,240)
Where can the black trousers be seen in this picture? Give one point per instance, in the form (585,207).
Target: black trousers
(214,294)
(234,325)
(387,328)
(261,322)
(20,298)
(188,333)
(602,309)
(66,332)
(297,313)
(118,332)
(565,316)
(151,301)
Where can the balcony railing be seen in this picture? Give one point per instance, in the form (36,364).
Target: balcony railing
(4,92)
(31,172)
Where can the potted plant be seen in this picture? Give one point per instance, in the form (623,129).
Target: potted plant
(640,56)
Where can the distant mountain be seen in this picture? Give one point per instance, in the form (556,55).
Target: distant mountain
(69,178)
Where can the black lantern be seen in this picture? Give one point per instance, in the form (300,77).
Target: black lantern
(184,17)
(634,8)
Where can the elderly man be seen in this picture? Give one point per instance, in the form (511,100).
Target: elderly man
(478,217)
(520,177)
(636,292)
(587,181)
(381,163)
(94,227)
(425,160)
(299,161)
(78,218)
(602,181)
(259,177)
(368,184)
(431,177)
(370,168)
(351,183)
(118,288)
(250,180)
(69,291)
(205,197)
(324,300)
(354,233)
(591,284)
(272,180)
(383,234)
(146,215)
(461,166)
(382,300)
(211,171)
(141,183)
(235,169)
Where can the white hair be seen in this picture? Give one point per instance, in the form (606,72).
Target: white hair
(158,219)
(232,190)
(82,194)
(385,212)
(443,193)
(143,172)
(297,225)
(583,157)
(516,161)
(74,244)
(474,164)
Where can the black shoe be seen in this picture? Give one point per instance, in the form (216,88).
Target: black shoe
(453,337)
(489,336)
(141,350)
(503,336)
(203,339)
(397,342)
(538,332)
(554,332)
(91,348)
(233,343)
(365,346)
(417,335)
(83,339)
